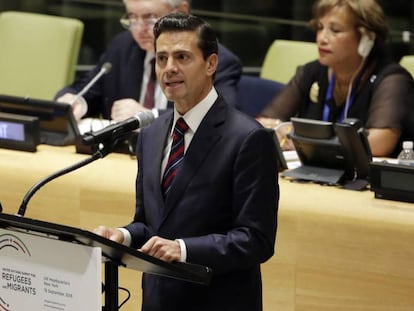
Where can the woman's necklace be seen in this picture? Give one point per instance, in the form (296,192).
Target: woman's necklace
(340,94)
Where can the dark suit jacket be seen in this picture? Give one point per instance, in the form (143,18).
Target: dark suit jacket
(125,78)
(223,203)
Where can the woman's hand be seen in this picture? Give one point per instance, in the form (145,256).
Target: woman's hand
(282,130)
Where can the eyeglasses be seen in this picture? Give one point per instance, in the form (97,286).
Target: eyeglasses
(129,20)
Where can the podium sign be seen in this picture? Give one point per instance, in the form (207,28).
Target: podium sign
(43,273)
(68,265)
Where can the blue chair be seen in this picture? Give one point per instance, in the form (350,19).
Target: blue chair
(254,93)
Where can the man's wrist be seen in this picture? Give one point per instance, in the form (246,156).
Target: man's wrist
(83,106)
(183,250)
(127,236)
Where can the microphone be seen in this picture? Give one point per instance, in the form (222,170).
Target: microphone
(117,130)
(106,67)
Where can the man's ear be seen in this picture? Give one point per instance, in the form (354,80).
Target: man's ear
(212,63)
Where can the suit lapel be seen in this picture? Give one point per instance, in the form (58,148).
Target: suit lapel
(203,142)
(156,157)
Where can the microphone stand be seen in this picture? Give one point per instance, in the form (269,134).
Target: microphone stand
(102,150)
(111,268)
(105,69)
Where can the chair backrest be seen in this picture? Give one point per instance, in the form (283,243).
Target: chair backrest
(254,93)
(407,62)
(38,53)
(284,56)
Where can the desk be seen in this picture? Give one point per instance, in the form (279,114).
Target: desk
(336,249)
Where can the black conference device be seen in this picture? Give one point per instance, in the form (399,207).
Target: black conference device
(57,125)
(331,153)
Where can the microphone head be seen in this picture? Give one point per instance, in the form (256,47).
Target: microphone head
(106,67)
(145,118)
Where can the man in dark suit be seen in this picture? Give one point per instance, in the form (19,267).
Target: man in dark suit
(217,205)
(120,93)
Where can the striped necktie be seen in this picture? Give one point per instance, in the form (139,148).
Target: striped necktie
(176,155)
(149,101)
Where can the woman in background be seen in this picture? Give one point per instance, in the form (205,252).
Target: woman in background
(351,79)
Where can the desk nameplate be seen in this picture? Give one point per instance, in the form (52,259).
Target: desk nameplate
(19,132)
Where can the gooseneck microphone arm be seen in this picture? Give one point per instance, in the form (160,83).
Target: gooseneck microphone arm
(104,70)
(104,143)
(23,206)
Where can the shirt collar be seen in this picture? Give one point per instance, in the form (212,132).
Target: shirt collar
(194,116)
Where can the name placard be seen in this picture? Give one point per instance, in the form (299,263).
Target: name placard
(19,132)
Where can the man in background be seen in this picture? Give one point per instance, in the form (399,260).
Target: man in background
(123,91)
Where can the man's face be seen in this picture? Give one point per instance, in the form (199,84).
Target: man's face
(184,75)
(144,14)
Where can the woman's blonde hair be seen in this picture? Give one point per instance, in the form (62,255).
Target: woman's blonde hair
(368,14)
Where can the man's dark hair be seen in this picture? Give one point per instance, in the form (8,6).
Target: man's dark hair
(207,39)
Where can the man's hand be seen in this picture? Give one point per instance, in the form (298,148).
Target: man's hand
(110,233)
(124,108)
(167,250)
(78,107)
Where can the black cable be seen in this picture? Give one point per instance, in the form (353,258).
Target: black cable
(127,298)
(120,288)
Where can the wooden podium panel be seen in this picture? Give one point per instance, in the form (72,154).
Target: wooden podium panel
(336,249)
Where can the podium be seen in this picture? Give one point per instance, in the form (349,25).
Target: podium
(113,254)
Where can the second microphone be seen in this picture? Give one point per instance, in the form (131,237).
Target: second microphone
(118,130)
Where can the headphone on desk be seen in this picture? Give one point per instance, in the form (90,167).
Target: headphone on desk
(366,43)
